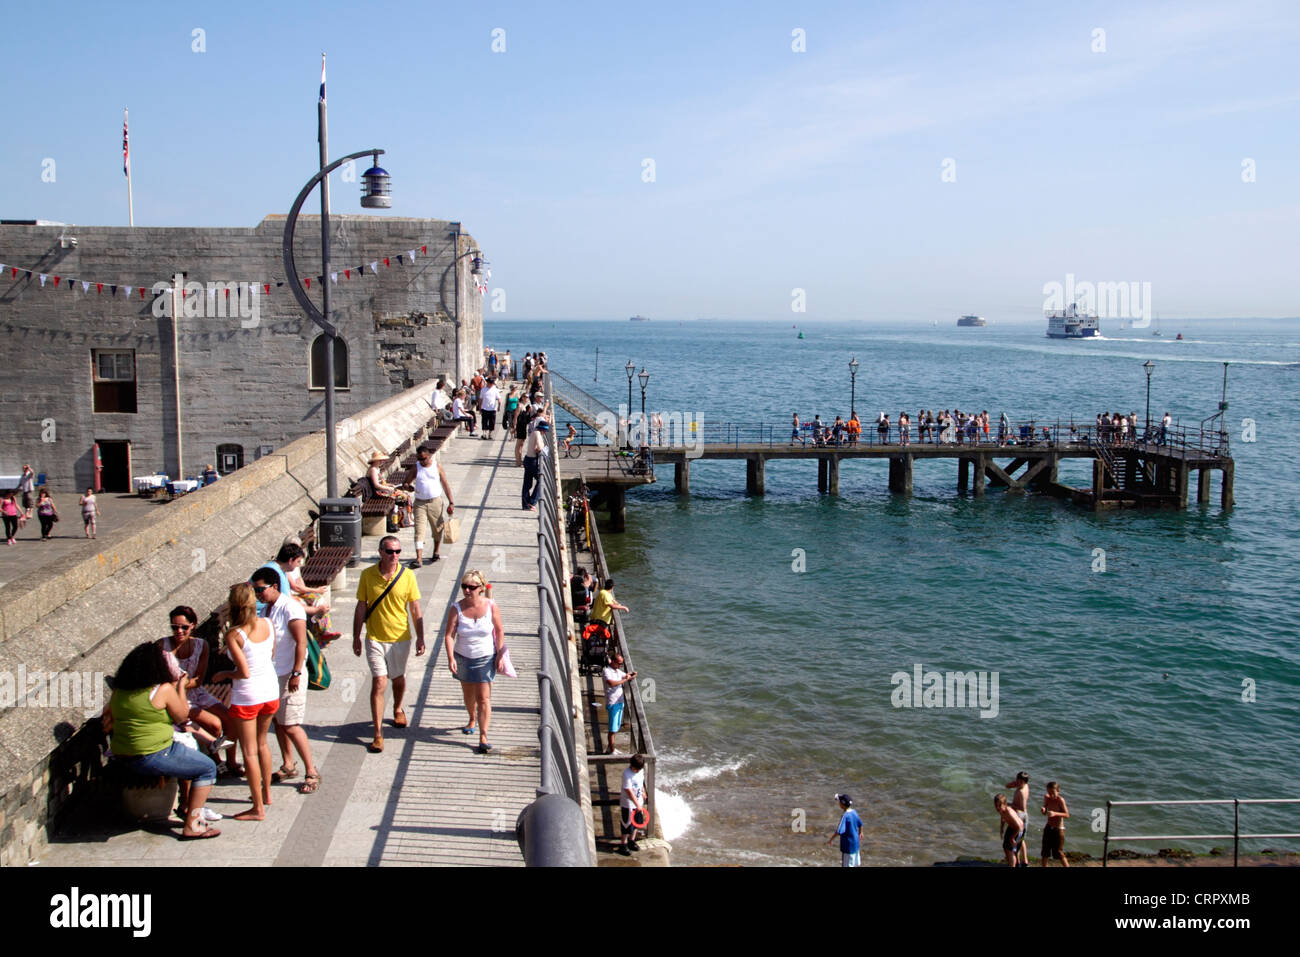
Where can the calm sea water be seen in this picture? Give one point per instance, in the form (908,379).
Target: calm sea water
(772,685)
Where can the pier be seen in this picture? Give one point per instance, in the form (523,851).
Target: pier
(1154,471)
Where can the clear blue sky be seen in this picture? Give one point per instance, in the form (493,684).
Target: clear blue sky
(774,170)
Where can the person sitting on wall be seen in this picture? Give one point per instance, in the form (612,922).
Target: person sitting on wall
(382,488)
(459,413)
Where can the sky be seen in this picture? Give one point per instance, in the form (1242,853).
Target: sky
(788,161)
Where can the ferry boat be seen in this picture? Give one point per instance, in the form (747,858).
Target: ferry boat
(1069,323)
(639,319)
(971,321)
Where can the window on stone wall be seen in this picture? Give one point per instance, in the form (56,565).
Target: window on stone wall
(113,379)
(230,458)
(318,363)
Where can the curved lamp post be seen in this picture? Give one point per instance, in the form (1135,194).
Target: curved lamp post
(376,194)
(853,385)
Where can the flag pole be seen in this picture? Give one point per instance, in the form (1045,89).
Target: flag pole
(126,167)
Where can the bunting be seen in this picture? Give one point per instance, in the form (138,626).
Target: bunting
(350,273)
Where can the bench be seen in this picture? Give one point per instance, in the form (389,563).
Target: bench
(375,509)
(324,565)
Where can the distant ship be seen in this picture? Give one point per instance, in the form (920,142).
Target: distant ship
(639,319)
(1068,323)
(971,321)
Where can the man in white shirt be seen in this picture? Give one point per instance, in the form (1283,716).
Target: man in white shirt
(631,798)
(441,399)
(615,678)
(489,400)
(289,624)
(433,505)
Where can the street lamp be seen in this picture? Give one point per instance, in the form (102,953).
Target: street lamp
(853,385)
(376,193)
(1148,365)
(630,369)
(644,377)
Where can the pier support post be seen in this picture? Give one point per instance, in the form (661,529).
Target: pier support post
(833,475)
(1225,493)
(900,474)
(1181,472)
(821,474)
(963,473)
(1202,486)
(1098,481)
(979,475)
(755,482)
(682,476)
(616,496)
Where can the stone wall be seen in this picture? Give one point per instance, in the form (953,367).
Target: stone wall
(79,621)
(240,383)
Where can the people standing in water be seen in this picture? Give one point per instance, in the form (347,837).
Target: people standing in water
(1013,828)
(849,832)
(1020,804)
(1054,830)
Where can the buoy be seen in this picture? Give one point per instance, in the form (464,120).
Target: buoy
(640,818)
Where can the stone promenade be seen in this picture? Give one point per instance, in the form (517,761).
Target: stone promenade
(428,798)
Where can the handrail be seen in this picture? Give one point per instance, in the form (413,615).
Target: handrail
(1236,835)
(639,724)
(552,829)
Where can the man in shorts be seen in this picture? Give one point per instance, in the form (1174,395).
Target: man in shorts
(631,798)
(383,612)
(1054,830)
(289,624)
(615,678)
(432,502)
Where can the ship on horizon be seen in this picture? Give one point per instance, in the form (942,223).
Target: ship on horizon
(639,319)
(971,321)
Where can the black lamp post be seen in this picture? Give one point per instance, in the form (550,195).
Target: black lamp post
(853,385)
(630,369)
(376,193)
(1148,366)
(644,377)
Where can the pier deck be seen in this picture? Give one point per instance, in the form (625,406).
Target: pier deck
(428,799)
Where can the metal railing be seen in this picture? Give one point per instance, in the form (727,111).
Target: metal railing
(553,829)
(638,725)
(581,403)
(1236,835)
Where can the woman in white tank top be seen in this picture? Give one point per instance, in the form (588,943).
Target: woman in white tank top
(255,695)
(475,640)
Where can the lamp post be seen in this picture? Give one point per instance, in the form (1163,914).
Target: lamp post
(644,377)
(1148,366)
(630,369)
(853,386)
(376,193)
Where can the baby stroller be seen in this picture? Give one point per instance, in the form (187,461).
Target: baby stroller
(596,639)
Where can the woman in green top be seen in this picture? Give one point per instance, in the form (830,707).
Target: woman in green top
(512,405)
(139,718)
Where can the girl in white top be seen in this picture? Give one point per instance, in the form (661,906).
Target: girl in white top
(255,695)
(475,640)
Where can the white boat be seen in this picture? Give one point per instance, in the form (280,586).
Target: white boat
(971,321)
(1069,323)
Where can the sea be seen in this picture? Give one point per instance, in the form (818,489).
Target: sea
(1139,655)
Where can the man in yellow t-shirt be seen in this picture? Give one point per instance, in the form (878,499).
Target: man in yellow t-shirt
(388,632)
(603,608)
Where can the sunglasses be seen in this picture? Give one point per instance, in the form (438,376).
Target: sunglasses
(260,588)
(392,551)
(470,587)
(181,627)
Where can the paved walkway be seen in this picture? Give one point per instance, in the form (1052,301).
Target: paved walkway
(428,799)
(68,540)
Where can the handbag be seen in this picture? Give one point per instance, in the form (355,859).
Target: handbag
(450,530)
(318,669)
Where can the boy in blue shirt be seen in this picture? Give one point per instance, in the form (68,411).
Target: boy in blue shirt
(849,833)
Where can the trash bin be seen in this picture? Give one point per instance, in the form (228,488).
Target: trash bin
(340,524)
